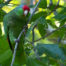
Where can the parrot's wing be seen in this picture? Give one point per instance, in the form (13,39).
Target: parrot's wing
(5,25)
(6,28)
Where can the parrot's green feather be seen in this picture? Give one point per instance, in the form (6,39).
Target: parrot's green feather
(14,22)
(20,11)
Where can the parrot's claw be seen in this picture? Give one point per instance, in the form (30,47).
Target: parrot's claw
(17,40)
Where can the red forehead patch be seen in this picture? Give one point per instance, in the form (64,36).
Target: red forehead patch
(25,7)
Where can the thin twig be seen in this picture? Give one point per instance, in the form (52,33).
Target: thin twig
(33,11)
(49,33)
(33,44)
(51,2)
(16,45)
(55,7)
(33,37)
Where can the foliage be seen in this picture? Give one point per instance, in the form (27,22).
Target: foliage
(50,48)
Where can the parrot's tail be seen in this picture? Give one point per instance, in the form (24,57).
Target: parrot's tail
(10,45)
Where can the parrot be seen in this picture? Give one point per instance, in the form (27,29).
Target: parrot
(14,22)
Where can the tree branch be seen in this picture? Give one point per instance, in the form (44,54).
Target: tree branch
(51,2)
(33,11)
(16,45)
(49,33)
(54,7)
(33,44)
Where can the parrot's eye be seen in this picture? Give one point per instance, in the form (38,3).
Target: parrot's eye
(25,12)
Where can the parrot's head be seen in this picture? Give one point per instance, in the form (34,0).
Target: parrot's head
(26,10)
(22,10)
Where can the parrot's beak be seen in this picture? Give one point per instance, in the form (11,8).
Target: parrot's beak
(25,12)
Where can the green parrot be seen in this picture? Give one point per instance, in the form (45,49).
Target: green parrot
(14,22)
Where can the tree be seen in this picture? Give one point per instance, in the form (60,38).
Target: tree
(44,40)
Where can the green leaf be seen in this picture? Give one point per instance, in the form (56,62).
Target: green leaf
(63,10)
(43,4)
(32,26)
(41,29)
(42,26)
(1,1)
(52,7)
(51,22)
(38,15)
(30,29)
(62,22)
(60,33)
(52,50)
(63,48)
(53,62)
(16,2)
(54,1)
(34,62)
(61,15)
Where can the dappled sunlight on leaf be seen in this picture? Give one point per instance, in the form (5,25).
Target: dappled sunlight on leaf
(61,2)
(8,8)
